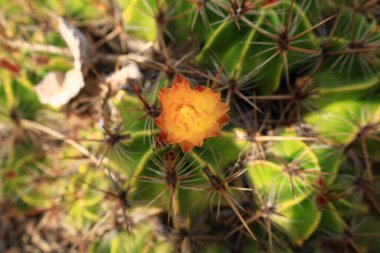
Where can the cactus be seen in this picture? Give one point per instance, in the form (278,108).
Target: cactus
(115,135)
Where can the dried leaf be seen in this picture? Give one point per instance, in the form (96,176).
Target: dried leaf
(78,44)
(58,88)
(120,77)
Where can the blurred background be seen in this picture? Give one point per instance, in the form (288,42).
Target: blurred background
(82,168)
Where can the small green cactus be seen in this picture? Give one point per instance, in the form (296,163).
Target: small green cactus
(114,134)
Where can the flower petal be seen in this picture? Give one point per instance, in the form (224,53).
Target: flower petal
(186,146)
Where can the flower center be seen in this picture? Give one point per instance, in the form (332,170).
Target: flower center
(188,112)
(187,116)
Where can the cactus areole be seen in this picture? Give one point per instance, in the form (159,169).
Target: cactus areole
(189,116)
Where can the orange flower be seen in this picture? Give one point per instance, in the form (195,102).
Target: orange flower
(190,115)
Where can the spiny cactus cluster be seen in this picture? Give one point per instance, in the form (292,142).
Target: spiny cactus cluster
(86,166)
